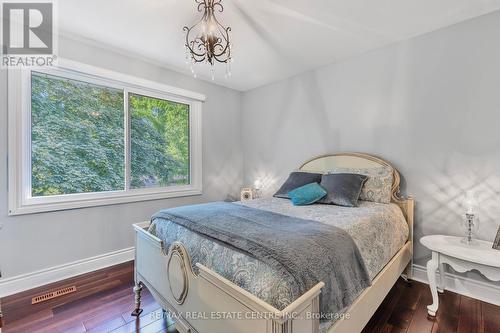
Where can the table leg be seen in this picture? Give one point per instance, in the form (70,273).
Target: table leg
(441,284)
(432,266)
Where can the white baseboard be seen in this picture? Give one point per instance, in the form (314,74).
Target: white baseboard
(16,284)
(461,285)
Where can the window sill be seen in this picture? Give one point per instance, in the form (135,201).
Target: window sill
(76,201)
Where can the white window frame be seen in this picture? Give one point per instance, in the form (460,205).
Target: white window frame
(21,200)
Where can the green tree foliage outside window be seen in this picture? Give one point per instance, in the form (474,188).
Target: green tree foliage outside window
(78,138)
(160,142)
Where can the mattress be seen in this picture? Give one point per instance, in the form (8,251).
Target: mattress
(379,231)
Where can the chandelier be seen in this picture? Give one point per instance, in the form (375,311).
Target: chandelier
(208,40)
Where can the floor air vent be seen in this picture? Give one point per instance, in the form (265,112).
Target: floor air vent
(53,294)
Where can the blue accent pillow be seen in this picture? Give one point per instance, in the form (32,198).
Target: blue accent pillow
(307,194)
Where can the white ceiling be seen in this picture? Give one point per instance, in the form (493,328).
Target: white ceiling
(273,39)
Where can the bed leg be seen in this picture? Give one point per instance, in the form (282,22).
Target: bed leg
(137,292)
(407,274)
(406,279)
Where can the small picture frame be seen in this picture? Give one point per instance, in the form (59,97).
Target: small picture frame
(496,243)
(246,194)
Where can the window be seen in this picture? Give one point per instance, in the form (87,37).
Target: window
(81,136)
(159,142)
(77,137)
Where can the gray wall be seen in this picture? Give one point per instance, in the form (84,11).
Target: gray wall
(32,242)
(429,105)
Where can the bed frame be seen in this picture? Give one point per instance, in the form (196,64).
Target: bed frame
(206,302)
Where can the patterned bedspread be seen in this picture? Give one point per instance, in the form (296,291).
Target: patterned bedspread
(379,231)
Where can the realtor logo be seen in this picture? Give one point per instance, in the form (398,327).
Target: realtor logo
(28,34)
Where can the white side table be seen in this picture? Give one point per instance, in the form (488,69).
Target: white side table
(461,257)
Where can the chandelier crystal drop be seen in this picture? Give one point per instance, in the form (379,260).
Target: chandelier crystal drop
(208,40)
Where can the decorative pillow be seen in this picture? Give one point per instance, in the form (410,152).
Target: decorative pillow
(295,180)
(377,187)
(307,194)
(343,188)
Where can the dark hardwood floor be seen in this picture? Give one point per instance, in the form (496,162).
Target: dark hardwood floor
(104,301)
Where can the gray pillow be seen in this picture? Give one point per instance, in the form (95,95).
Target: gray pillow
(343,188)
(296,180)
(378,187)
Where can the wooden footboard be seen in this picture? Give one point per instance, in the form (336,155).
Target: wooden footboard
(207,302)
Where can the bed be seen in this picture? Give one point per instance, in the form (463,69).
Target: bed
(209,287)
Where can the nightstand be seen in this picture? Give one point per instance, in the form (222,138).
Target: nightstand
(461,257)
